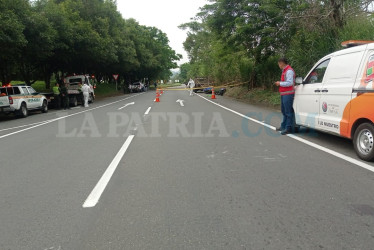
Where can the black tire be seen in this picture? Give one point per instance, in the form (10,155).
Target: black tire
(74,101)
(363,141)
(45,106)
(23,111)
(90,98)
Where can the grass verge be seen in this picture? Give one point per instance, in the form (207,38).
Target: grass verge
(163,86)
(264,97)
(106,90)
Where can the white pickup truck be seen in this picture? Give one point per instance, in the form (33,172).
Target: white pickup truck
(20,99)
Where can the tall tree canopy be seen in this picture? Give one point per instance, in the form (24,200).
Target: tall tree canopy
(242,39)
(40,38)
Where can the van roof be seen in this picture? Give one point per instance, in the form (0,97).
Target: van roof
(352,43)
(351,49)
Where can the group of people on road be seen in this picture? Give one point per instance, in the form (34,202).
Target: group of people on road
(61,94)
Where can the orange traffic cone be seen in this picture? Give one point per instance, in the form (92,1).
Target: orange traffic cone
(213,94)
(162,91)
(157,96)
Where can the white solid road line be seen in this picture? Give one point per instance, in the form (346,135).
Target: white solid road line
(64,117)
(334,153)
(22,126)
(312,144)
(128,104)
(96,193)
(239,114)
(148,110)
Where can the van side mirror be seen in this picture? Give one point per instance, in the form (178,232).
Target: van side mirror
(299,80)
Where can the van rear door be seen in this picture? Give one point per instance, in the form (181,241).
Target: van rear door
(337,87)
(307,96)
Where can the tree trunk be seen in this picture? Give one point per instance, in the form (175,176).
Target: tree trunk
(337,11)
(47,80)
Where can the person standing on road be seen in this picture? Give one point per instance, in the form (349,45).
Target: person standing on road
(65,95)
(191,85)
(57,96)
(287,91)
(81,97)
(86,93)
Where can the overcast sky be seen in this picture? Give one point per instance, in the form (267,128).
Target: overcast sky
(165,15)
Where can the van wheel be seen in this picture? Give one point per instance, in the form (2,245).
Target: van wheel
(45,106)
(363,141)
(23,112)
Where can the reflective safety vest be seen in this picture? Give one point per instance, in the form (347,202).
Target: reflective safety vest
(56,90)
(287,90)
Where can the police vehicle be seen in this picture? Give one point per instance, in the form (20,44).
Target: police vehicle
(337,96)
(19,99)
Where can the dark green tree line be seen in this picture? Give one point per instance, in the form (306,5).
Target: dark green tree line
(42,38)
(242,39)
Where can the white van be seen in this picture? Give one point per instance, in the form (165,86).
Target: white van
(337,96)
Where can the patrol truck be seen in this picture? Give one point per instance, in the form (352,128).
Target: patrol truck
(21,99)
(337,96)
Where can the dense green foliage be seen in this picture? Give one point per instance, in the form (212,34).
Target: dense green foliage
(241,40)
(44,38)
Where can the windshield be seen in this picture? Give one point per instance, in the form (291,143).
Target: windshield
(75,80)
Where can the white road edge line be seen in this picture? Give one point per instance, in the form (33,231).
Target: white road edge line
(148,110)
(239,114)
(96,193)
(63,117)
(312,144)
(22,126)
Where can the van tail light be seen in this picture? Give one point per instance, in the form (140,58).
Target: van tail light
(10,100)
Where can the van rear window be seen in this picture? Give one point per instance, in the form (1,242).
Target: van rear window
(75,80)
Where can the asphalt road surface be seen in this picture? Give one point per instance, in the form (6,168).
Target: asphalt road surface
(184,173)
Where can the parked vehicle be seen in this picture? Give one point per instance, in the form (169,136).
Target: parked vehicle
(337,96)
(75,95)
(136,87)
(20,99)
(201,83)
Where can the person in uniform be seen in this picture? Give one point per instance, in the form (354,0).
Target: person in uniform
(191,85)
(65,96)
(81,97)
(86,92)
(287,91)
(57,96)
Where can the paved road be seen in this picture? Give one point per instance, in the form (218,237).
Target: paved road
(129,173)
